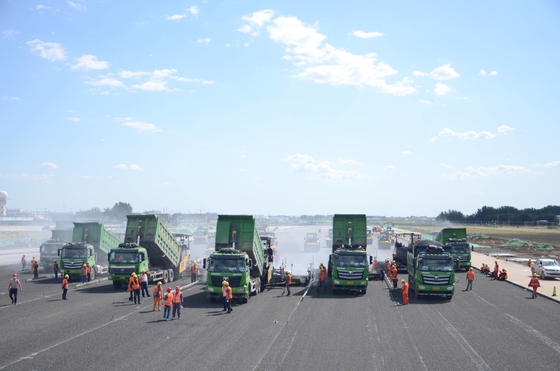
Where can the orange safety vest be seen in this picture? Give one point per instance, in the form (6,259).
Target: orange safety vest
(169,300)
(157,291)
(374,265)
(394,274)
(496,268)
(130,281)
(224,289)
(322,275)
(178,298)
(193,269)
(404,289)
(229,294)
(534,282)
(65,284)
(88,269)
(288,279)
(135,284)
(470,276)
(84,271)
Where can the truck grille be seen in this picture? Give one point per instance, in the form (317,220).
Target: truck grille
(430,279)
(461,258)
(122,271)
(233,281)
(72,265)
(344,274)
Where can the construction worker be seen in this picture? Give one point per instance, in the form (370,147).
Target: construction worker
(65,286)
(404,292)
(129,287)
(55,269)
(23,262)
(387,270)
(288,281)
(496,269)
(194,269)
(13,287)
(177,302)
(158,295)
(530,262)
(35,268)
(503,275)
(136,289)
(322,277)
(229,297)
(167,303)
(470,279)
(534,283)
(84,273)
(394,276)
(375,264)
(144,283)
(88,272)
(225,285)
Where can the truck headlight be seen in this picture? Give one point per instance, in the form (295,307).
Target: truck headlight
(336,282)
(242,289)
(211,289)
(363,282)
(422,287)
(449,288)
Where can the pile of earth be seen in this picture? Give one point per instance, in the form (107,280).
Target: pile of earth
(521,249)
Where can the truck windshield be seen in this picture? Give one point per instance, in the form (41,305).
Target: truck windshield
(69,253)
(462,249)
(51,249)
(435,264)
(123,257)
(226,265)
(351,261)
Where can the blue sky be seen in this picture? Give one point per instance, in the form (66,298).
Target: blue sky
(280,107)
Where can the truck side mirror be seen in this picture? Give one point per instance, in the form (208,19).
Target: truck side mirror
(250,263)
(108,256)
(58,252)
(204,263)
(370,259)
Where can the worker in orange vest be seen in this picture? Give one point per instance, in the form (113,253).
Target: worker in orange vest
(177,302)
(470,279)
(167,303)
(56,269)
(229,297)
(530,262)
(23,262)
(35,267)
(136,289)
(394,276)
(503,275)
(84,274)
(194,269)
(129,287)
(65,286)
(496,270)
(88,272)
(404,292)
(225,285)
(158,295)
(534,283)
(375,264)
(13,287)
(288,282)
(322,277)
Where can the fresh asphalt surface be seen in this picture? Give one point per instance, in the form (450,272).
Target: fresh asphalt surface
(497,326)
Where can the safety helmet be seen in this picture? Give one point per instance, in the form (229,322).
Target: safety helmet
(535,275)
(224,283)
(227,283)
(159,283)
(288,272)
(470,269)
(392,266)
(23,254)
(66,276)
(177,288)
(195,263)
(54,261)
(143,271)
(375,259)
(495,261)
(168,289)
(84,265)
(15,274)
(33,257)
(402,281)
(133,274)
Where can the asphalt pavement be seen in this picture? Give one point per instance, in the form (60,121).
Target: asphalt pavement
(496,326)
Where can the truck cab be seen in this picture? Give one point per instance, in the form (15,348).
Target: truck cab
(461,253)
(430,270)
(328,239)
(73,256)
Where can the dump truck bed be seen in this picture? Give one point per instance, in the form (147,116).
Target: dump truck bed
(96,235)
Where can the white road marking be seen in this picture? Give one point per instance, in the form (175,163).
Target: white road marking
(412,342)
(545,339)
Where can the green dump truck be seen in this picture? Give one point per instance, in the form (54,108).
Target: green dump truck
(430,269)
(239,258)
(328,239)
(90,244)
(348,264)
(49,249)
(455,241)
(148,246)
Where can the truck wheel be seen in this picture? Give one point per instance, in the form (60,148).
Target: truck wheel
(92,273)
(171,275)
(165,277)
(117,285)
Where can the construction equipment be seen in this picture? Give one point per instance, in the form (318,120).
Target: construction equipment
(455,240)
(149,247)
(311,243)
(430,270)
(265,237)
(328,239)
(49,249)
(201,235)
(403,241)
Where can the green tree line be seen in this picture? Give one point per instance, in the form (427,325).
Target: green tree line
(118,212)
(503,213)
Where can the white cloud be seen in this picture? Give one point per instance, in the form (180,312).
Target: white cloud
(51,51)
(442,164)
(441,89)
(135,167)
(107,81)
(193,10)
(366,35)
(473,135)
(86,177)
(483,73)
(77,6)
(406,153)
(142,126)
(346,162)
(242,153)
(176,17)
(320,62)
(425,101)
(552,164)
(165,183)
(205,40)
(9,33)
(322,170)
(89,62)
(389,167)
(48,165)
(42,7)
(129,74)
(11,98)
(445,72)
(75,119)
(121,167)
(152,86)
(482,171)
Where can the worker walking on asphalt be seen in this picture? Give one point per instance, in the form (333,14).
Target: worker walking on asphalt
(224,294)
(470,279)
(394,276)
(496,270)
(129,287)
(144,283)
(136,289)
(534,283)
(288,281)
(158,295)
(229,297)
(84,274)
(177,302)
(55,269)
(322,277)
(167,303)
(23,262)
(13,286)
(35,268)
(404,292)
(193,272)
(65,286)
(88,272)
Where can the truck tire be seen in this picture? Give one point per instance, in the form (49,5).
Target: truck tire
(171,275)
(117,285)
(92,273)
(165,277)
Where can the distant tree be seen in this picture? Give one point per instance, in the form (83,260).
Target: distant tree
(121,210)
(93,213)
(451,216)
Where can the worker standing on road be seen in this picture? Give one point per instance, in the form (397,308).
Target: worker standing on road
(35,267)
(129,288)
(224,294)
(55,269)
(288,281)
(375,264)
(530,262)
(88,272)
(167,303)
(404,292)
(158,295)
(177,302)
(470,279)
(194,269)
(84,274)
(65,286)
(136,289)
(534,283)
(496,270)
(229,297)
(13,286)
(394,276)
(23,262)
(322,277)
(144,283)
